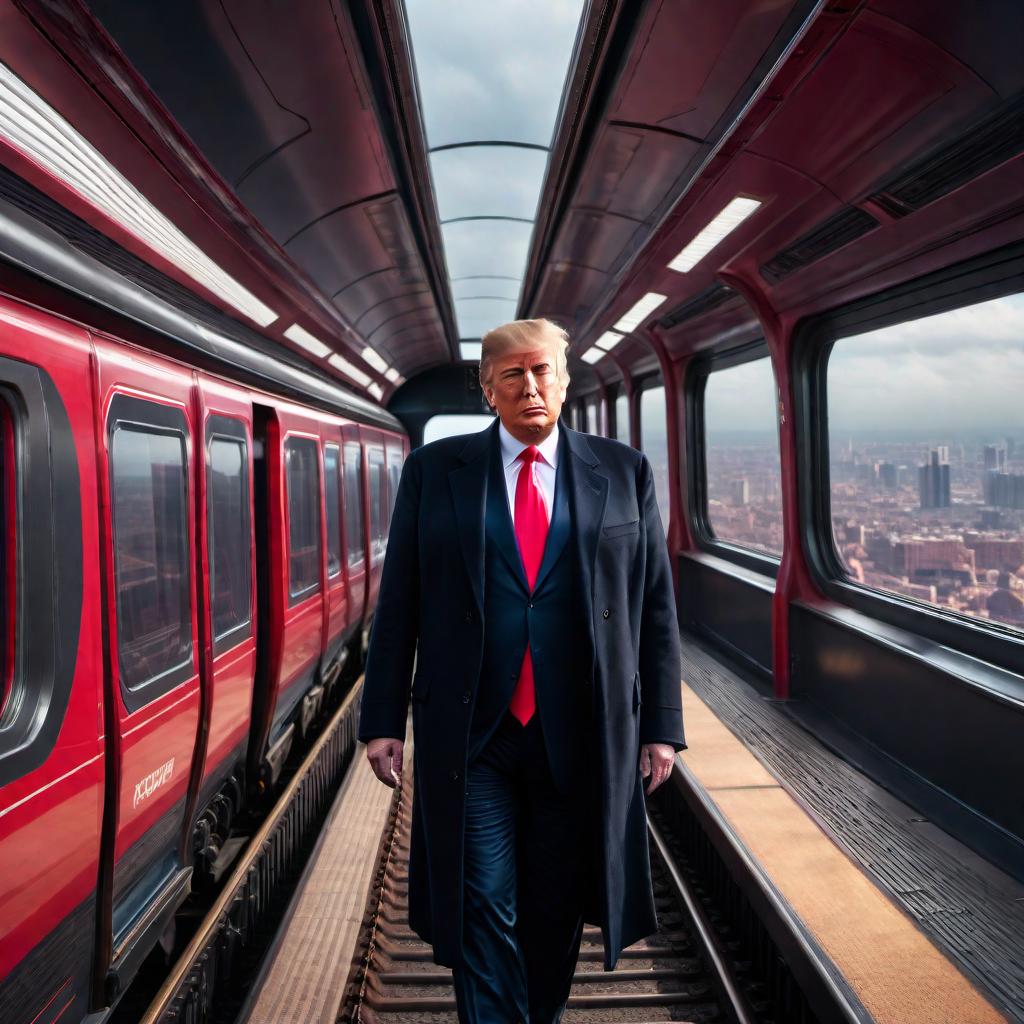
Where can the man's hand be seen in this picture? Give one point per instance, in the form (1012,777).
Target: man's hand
(385,757)
(656,760)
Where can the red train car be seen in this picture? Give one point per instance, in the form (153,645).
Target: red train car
(188,562)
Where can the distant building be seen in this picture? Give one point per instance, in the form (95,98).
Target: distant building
(995,457)
(1004,490)
(739,491)
(933,479)
(888,475)
(1001,553)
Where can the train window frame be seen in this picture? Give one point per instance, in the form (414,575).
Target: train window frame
(354,567)
(694,389)
(376,460)
(45,485)
(297,596)
(229,429)
(129,412)
(338,469)
(993,275)
(651,381)
(616,393)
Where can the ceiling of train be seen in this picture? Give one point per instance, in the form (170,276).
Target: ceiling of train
(384,182)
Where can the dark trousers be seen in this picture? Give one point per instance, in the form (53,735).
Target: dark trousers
(525,873)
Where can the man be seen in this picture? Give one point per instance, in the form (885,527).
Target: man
(527,573)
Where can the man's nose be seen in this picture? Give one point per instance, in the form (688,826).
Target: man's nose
(529,383)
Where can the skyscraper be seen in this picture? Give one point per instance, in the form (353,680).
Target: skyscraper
(995,457)
(933,479)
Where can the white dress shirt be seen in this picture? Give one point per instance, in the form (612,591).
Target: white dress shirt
(544,468)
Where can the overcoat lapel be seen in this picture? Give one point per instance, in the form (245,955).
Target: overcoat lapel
(561,516)
(589,497)
(468,484)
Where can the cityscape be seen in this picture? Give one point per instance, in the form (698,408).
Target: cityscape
(935,520)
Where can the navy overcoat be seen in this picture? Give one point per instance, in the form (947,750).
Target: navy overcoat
(430,610)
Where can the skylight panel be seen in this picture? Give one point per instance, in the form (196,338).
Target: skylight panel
(34,128)
(592,355)
(471,351)
(639,312)
(492,181)
(480,286)
(391,374)
(313,345)
(486,247)
(491,70)
(475,317)
(376,390)
(730,218)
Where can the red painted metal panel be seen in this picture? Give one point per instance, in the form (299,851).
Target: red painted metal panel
(50,818)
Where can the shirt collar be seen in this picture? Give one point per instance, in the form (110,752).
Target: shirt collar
(511,448)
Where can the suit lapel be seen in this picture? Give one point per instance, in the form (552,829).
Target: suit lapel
(468,483)
(499,519)
(561,515)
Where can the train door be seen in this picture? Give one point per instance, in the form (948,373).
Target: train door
(290,694)
(51,670)
(336,605)
(355,521)
(376,509)
(228,619)
(148,448)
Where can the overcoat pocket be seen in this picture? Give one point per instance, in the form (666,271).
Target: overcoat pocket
(622,529)
(420,688)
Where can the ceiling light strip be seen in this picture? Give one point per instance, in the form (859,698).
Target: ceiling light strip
(313,345)
(34,128)
(608,340)
(371,356)
(639,312)
(727,221)
(341,363)
(592,355)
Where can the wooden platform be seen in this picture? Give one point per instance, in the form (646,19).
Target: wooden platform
(305,981)
(829,841)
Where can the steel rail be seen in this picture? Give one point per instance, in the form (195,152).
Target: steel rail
(208,932)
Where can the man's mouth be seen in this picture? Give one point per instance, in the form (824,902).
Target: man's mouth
(530,409)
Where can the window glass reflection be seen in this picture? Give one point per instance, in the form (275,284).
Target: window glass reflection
(622,417)
(230,564)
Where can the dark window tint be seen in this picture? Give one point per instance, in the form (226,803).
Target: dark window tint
(228,506)
(377,528)
(150,519)
(394,476)
(303,516)
(926,459)
(332,499)
(741,456)
(354,505)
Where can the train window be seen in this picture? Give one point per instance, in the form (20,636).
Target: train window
(332,500)
(303,517)
(926,459)
(377,484)
(592,409)
(394,476)
(8,556)
(149,499)
(654,443)
(449,425)
(622,416)
(743,478)
(354,505)
(230,537)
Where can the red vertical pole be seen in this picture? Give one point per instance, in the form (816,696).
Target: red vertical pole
(794,580)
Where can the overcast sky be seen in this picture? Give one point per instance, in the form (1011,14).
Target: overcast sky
(956,371)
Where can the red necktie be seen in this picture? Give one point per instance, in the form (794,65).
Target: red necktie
(531,522)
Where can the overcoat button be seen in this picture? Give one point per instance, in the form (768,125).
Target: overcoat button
(455,776)
(465,697)
(606,613)
(469,616)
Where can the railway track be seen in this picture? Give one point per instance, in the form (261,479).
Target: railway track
(685,972)
(708,962)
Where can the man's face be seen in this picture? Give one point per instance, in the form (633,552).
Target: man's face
(525,391)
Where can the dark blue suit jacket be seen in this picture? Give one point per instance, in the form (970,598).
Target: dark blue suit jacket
(430,608)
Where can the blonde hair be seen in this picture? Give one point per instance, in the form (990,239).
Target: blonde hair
(523,334)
